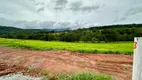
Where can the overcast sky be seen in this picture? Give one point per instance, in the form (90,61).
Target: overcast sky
(69,13)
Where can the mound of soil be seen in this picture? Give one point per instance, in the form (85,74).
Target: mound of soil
(119,66)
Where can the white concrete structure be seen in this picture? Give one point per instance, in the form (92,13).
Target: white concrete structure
(137,63)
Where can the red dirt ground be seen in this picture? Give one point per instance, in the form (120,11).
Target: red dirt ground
(119,66)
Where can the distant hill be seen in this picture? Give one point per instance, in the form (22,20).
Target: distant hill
(4,29)
(14,29)
(11,30)
(108,33)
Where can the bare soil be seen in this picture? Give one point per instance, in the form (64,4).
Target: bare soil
(15,60)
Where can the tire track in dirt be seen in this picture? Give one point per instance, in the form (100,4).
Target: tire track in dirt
(119,66)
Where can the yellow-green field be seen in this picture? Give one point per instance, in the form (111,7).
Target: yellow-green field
(115,47)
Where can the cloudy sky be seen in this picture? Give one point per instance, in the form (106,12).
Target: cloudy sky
(69,13)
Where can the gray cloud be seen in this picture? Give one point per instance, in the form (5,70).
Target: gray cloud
(90,8)
(60,4)
(130,12)
(120,19)
(58,8)
(75,6)
(135,10)
(40,9)
(38,24)
(40,3)
(47,24)
(68,13)
(78,6)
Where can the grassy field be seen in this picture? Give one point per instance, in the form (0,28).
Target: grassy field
(113,48)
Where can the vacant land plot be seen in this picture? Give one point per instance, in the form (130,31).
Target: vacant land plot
(116,47)
(118,66)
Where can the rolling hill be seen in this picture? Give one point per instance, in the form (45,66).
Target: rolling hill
(108,33)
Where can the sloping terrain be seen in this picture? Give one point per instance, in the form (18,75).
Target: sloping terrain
(119,66)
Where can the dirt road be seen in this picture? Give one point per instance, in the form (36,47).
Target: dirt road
(119,66)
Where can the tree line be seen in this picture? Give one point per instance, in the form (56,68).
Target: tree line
(94,34)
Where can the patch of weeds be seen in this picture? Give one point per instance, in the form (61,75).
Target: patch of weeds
(129,53)
(117,52)
(46,78)
(42,72)
(83,76)
(29,70)
(102,77)
(79,76)
(81,51)
(95,51)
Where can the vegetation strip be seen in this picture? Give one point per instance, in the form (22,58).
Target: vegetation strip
(107,48)
(80,76)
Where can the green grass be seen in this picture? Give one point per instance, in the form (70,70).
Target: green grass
(80,76)
(113,48)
